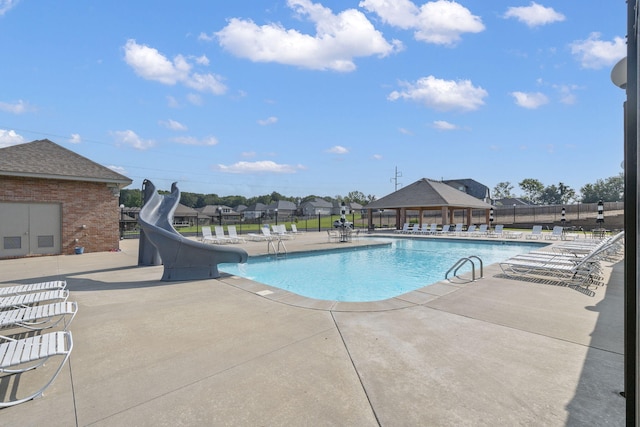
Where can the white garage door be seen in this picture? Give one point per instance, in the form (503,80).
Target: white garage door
(29,229)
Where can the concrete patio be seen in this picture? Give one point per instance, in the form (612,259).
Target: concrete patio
(235,352)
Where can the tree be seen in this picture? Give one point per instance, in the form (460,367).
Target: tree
(131,198)
(356,197)
(557,195)
(533,190)
(607,190)
(502,190)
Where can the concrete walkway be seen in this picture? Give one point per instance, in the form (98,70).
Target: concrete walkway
(234,352)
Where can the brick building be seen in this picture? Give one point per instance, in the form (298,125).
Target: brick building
(53,200)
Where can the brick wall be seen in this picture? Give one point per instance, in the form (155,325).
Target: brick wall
(83,203)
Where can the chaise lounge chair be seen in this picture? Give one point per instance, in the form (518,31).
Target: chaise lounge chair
(536,232)
(233,234)
(21,355)
(220,237)
(23,300)
(32,287)
(207,237)
(38,317)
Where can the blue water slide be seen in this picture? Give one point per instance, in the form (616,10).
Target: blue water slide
(183,259)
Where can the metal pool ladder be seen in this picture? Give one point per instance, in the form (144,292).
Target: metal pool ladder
(276,252)
(463,261)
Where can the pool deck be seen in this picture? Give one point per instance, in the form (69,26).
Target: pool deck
(231,352)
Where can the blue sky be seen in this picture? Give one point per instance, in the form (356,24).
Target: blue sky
(247,97)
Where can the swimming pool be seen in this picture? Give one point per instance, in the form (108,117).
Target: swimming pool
(374,273)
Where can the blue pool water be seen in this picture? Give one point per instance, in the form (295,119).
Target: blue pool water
(374,273)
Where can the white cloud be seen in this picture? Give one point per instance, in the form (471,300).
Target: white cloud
(405,131)
(268,121)
(118,169)
(16,107)
(75,138)
(202,60)
(150,64)
(444,125)
(377,156)
(595,53)
(248,154)
(337,149)
(7,5)
(129,137)
(438,22)
(172,102)
(534,15)
(194,99)
(173,125)
(531,100)
(566,93)
(264,166)
(10,137)
(338,39)
(442,95)
(189,140)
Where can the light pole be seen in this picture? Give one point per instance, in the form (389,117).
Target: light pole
(219,216)
(276,211)
(514,213)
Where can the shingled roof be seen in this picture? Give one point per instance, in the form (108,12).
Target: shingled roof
(48,160)
(428,194)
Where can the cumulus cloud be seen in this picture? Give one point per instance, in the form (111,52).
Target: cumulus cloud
(129,137)
(405,131)
(534,15)
(442,95)
(75,138)
(189,140)
(268,121)
(150,64)
(173,125)
(18,107)
(531,100)
(377,156)
(7,5)
(337,41)
(10,137)
(259,167)
(444,125)
(337,149)
(595,53)
(439,22)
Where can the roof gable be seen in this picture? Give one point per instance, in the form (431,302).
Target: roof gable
(426,193)
(45,159)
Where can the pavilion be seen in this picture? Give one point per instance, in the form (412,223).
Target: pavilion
(426,194)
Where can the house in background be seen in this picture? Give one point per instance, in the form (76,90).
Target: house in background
(471,187)
(255,211)
(53,200)
(316,206)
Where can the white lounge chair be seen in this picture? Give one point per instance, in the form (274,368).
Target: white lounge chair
(536,233)
(38,317)
(220,237)
(497,231)
(404,229)
(294,229)
(207,237)
(556,233)
(281,231)
(33,287)
(458,229)
(433,229)
(481,231)
(21,355)
(33,298)
(233,234)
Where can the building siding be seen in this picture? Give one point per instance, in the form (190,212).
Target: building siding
(83,203)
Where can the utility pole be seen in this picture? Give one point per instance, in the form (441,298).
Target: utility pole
(395,179)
